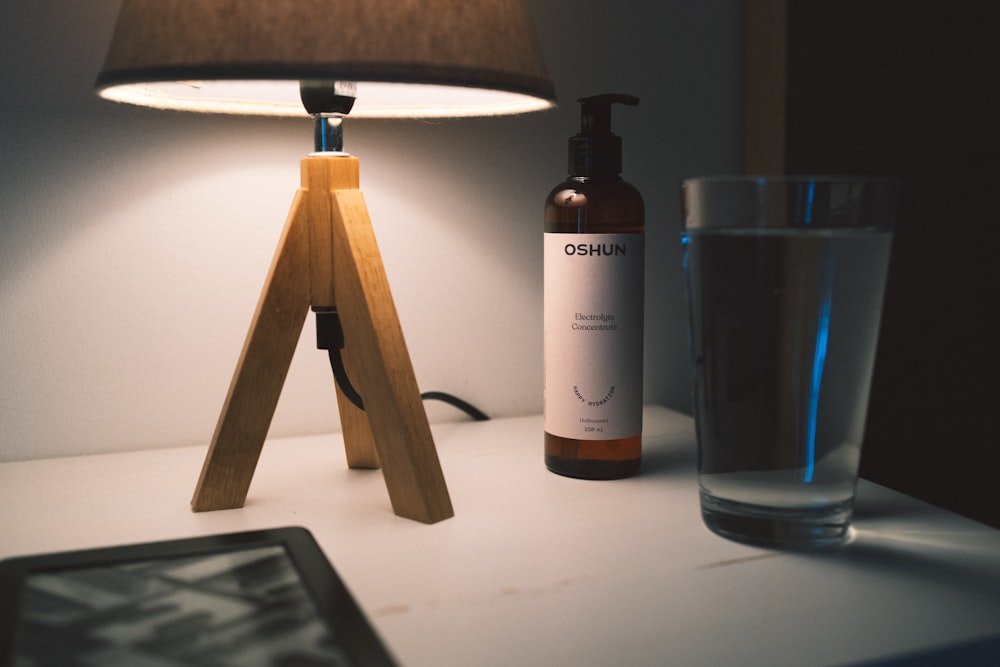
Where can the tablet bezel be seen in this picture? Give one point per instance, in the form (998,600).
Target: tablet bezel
(334,603)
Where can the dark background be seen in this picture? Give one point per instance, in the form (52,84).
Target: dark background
(910,89)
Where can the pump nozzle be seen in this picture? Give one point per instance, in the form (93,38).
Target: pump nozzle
(595,150)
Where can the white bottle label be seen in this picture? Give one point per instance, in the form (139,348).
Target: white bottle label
(593,297)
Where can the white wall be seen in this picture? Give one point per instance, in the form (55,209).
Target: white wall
(133,243)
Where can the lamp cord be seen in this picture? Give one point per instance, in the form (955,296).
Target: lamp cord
(456,402)
(330,337)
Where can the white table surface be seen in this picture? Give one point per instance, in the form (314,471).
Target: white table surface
(537,569)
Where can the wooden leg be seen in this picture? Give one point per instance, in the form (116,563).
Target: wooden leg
(320,176)
(377,350)
(260,373)
(359,442)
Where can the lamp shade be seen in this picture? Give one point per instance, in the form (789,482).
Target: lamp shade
(412,58)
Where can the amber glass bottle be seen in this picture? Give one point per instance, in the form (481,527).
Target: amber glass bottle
(594,270)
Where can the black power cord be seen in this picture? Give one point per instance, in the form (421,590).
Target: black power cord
(454,401)
(330,337)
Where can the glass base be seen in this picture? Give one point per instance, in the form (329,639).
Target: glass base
(783,528)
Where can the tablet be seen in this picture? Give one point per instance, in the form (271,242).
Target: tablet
(267,597)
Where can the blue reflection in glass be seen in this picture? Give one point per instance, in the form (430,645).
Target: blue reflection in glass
(819,360)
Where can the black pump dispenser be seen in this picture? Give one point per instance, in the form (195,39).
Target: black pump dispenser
(595,151)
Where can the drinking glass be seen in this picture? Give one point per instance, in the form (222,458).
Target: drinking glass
(784,279)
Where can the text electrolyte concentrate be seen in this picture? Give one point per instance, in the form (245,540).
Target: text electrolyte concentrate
(593,335)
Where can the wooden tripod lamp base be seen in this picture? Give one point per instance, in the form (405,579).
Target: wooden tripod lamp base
(327,258)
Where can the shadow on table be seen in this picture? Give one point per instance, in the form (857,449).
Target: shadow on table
(907,544)
(919,550)
(978,653)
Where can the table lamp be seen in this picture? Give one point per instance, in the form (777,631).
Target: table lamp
(325,59)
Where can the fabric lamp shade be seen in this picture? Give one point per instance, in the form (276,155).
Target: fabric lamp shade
(409,58)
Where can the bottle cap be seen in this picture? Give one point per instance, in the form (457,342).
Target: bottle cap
(595,151)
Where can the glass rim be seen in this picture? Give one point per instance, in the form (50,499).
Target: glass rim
(794,179)
(792,202)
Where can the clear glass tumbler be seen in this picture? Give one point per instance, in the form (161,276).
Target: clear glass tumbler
(785,279)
